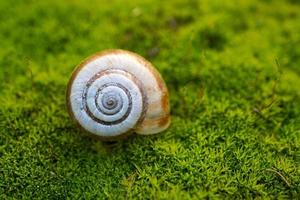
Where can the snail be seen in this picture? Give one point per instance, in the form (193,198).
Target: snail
(116,92)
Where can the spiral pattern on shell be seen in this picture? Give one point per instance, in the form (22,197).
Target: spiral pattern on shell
(108,99)
(108,95)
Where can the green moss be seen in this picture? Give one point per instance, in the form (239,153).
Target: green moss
(233,73)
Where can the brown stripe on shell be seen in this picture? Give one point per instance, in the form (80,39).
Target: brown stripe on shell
(161,123)
(161,84)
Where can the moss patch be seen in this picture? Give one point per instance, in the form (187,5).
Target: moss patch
(233,71)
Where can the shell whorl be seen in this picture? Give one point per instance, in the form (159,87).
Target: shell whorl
(114,99)
(115,92)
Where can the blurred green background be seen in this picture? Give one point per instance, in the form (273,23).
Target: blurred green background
(233,72)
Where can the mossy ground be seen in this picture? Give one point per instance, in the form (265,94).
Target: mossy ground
(233,72)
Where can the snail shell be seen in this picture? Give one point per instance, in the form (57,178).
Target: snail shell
(116,92)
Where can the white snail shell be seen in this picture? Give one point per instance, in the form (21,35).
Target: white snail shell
(116,92)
